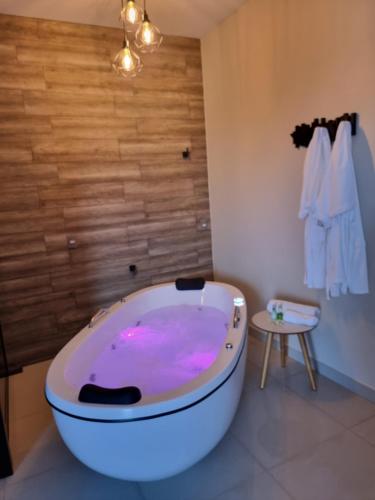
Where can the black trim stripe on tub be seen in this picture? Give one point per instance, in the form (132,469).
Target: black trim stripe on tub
(150,417)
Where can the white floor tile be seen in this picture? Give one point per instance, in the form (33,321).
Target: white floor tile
(227,465)
(342,404)
(49,452)
(366,430)
(275,424)
(252,375)
(261,487)
(342,468)
(72,481)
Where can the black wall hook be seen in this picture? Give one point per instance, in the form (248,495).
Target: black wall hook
(303,133)
(133,270)
(186,154)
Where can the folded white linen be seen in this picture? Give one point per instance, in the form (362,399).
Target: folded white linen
(300,319)
(294,307)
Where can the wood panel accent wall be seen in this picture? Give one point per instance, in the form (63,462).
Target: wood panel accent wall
(85,155)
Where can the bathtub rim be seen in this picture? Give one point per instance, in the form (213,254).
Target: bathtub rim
(149,407)
(159,415)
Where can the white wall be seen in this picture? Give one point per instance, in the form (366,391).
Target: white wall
(272,65)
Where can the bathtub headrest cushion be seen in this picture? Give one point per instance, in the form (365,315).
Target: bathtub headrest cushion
(94,394)
(190,283)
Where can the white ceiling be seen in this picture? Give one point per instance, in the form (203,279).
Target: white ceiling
(174,17)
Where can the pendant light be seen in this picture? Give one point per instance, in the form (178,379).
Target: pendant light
(148,37)
(127,62)
(131,14)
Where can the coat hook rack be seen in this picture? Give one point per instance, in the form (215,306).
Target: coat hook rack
(303,133)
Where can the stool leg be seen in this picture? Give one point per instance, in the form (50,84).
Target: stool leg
(302,341)
(266,360)
(283,350)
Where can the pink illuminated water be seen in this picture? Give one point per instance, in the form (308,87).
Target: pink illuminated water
(163,350)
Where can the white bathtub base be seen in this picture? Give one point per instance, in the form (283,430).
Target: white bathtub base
(158,447)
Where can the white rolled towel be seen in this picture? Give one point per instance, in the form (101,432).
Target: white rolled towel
(300,319)
(294,308)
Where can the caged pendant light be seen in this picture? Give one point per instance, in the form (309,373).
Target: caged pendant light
(148,37)
(127,62)
(131,14)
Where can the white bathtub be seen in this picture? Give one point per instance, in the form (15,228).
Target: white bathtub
(180,417)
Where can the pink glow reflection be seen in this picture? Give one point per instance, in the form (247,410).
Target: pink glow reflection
(135,331)
(198,361)
(167,348)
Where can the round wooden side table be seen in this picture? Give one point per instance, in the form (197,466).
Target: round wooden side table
(263,322)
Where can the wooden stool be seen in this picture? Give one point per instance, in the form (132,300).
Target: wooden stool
(262,322)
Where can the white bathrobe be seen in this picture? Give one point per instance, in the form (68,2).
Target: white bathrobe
(338,208)
(315,167)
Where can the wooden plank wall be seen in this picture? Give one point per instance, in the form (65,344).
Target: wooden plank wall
(88,156)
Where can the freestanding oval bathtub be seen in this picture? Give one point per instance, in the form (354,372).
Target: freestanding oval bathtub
(180,357)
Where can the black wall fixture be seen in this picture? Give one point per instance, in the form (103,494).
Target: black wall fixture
(303,133)
(6,468)
(186,154)
(133,270)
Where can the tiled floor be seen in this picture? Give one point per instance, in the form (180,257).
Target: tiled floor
(286,443)
(29,412)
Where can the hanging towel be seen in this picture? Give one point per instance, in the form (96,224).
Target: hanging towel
(293,307)
(315,167)
(300,319)
(338,209)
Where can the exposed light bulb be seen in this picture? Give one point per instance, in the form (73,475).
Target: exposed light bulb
(127,63)
(147,34)
(132,13)
(127,60)
(148,37)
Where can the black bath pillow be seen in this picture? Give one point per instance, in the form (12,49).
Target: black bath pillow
(190,283)
(91,393)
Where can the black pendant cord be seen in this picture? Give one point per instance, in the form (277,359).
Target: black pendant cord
(124,43)
(125,35)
